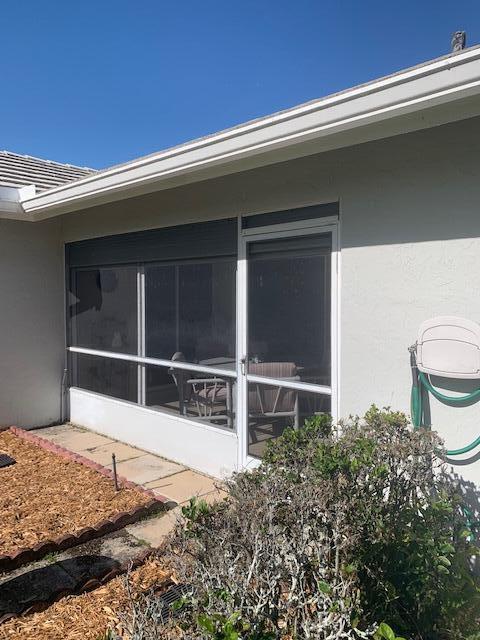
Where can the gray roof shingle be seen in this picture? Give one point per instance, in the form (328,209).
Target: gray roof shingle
(18,171)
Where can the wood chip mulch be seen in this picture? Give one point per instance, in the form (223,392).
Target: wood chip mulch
(88,616)
(45,496)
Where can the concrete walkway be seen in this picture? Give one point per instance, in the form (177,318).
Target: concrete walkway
(162,476)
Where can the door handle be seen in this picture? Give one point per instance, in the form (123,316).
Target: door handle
(243,362)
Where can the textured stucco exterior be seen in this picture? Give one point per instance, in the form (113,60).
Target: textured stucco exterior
(410,247)
(31,323)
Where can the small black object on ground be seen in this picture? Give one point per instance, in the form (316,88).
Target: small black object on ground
(6,460)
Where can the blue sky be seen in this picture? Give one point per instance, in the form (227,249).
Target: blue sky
(97,83)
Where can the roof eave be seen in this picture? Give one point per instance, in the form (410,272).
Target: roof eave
(11,201)
(438,83)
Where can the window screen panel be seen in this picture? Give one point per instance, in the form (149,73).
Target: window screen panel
(103,309)
(190,309)
(289,290)
(201,397)
(114,378)
(161,295)
(272,409)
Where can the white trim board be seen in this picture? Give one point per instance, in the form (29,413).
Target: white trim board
(440,82)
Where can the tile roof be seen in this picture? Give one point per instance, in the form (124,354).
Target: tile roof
(18,171)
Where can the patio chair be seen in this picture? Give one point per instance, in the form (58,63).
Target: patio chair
(272,401)
(207,396)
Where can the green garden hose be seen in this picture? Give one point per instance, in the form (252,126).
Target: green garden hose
(417,406)
(416,410)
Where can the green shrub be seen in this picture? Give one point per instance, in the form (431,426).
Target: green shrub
(354,532)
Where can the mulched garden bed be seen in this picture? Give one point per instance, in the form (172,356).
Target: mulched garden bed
(88,616)
(52,500)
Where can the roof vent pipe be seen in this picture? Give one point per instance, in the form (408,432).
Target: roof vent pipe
(459,41)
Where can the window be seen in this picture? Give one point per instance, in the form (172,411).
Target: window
(202,397)
(103,309)
(190,317)
(289,291)
(187,310)
(272,408)
(163,302)
(190,310)
(289,305)
(115,378)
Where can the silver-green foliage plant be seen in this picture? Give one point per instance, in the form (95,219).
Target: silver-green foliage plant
(354,532)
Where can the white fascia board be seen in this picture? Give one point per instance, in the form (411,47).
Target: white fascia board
(452,78)
(10,201)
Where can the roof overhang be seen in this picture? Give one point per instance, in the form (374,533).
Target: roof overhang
(445,87)
(11,200)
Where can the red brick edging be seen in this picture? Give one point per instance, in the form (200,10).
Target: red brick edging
(22,556)
(89,585)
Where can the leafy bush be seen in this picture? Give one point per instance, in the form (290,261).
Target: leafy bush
(355,533)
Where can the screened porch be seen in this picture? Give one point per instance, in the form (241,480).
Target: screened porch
(226,324)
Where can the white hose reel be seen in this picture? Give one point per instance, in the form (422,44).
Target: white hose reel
(449,347)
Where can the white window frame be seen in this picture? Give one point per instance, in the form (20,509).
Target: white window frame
(271,232)
(245,236)
(160,362)
(143,361)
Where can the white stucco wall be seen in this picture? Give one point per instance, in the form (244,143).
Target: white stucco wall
(31,323)
(410,248)
(410,251)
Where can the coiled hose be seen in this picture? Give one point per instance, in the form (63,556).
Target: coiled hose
(416,406)
(416,410)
